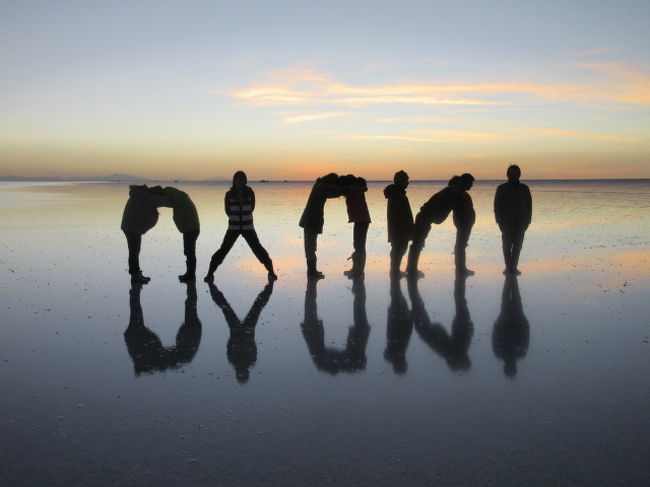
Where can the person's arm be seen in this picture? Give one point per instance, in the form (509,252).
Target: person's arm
(252,200)
(529,206)
(226,203)
(497,206)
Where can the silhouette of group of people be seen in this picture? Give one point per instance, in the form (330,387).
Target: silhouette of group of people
(512,209)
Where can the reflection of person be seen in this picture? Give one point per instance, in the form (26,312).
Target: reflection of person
(511,333)
(140,215)
(186,219)
(399,220)
(327,359)
(239,204)
(313,218)
(513,209)
(453,348)
(464,218)
(436,210)
(354,189)
(241,348)
(399,327)
(144,346)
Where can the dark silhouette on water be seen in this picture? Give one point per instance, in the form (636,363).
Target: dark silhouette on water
(399,327)
(464,218)
(313,218)
(186,219)
(399,220)
(242,348)
(436,210)
(354,189)
(328,359)
(239,204)
(140,215)
(453,348)
(513,210)
(144,346)
(511,333)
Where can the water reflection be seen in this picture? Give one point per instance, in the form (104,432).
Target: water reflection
(453,348)
(144,346)
(328,359)
(399,327)
(511,332)
(242,348)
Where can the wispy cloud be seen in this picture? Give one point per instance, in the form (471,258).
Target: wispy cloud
(293,119)
(417,120)
(592,52)
(440,136)
(582,135)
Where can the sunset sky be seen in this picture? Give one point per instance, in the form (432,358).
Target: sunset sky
(295,89)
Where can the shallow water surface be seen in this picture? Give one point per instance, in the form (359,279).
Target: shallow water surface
(540,379)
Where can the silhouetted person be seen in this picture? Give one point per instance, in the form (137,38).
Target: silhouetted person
(354,189)
(186,219)
(313,218)
(144,346)
(464,218)
(436,210)
(511,333)
(241,348)
(399,327)
(399,220)
(140,215)
(453,348)
(513,210)
(328,359)
(239,204)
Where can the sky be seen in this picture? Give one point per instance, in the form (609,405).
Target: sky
(296,89)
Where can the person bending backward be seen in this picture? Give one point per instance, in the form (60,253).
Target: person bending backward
(354,189)
(464,218)
(239,204)
(399,220)
(436,210)
(186,219)
(513,209)
(140,215)
(313,218)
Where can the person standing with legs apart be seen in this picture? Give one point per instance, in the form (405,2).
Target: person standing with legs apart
(355,189)
(513,210)
(239,204)
(399,220)
(186,219)
(464,218)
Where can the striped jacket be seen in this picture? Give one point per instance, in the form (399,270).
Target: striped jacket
(239,205)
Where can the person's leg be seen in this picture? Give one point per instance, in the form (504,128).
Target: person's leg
(228,241)
(462,237)
(420,232)
(397,250)
(310,239)
(134,242)
(360,235)
(517,242)
(260,252)
(189,249)
(506,240)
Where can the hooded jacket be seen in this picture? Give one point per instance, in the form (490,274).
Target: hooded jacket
(185,215)
(141,210)
(398,214)
(513,205)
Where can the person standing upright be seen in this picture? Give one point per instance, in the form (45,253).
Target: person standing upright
(464,218)
(513,209)
(399,220)
(239,204)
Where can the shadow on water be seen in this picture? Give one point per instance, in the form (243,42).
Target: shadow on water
(242,348)
(511,334)
(453,348)
(399,327)
(353,357)
(144,346)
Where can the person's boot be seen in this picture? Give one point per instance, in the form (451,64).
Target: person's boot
(138,278)
(190,274)
(272,275)
(412,265)
(209,277)
(312,272)
(352,272)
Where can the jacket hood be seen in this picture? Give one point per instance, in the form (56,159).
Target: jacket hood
(390,190)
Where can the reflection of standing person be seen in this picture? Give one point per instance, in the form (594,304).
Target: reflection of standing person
(186,219)
(436,210)
(464,218)
(511,334)
(354,189)
(241,348)
(513,209)
(399,327)
(313,218)
(239,204)
(399,220)
(140,215)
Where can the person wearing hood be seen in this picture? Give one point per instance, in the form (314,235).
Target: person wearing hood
(186,219)
(354,189)
(239,204)
(140,215)
(513,210)
(399,220)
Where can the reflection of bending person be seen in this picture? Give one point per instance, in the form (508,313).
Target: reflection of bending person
(241,348)
(511,333)
(144,346)
(454,349)
(330,360)
(399,327)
